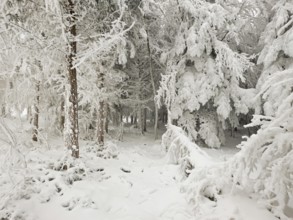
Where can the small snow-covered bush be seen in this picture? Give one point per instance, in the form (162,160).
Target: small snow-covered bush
(182,151)
(204,185)
(203,179)
(109,150)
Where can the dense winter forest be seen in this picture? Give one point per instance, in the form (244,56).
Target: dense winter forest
(146,109)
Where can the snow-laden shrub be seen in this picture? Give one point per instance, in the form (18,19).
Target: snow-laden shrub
(204,180)
(203,128)
(182,151)
(211,132)
(204,185)
(109,150)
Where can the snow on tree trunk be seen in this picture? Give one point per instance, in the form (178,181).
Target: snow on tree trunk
(71,99)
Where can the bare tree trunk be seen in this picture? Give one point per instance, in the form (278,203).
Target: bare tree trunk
(36,113)
(153,86)
(71,100)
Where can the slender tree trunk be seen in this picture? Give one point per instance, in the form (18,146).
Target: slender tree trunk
(120,117)
(62,116)
(140,119)
(153,86)
(101,124)
(107,111)
(135,120)
(71,100)
(232,131)
(101,114)
(145,120)
(36,113)
(140,109)
(165,115)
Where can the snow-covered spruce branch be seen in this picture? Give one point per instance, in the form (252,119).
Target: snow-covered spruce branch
(264,165)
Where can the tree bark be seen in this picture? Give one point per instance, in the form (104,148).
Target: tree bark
(36,113)
(71,102)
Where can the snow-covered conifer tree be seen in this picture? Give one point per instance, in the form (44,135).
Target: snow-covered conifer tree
(201,86)
(264,164)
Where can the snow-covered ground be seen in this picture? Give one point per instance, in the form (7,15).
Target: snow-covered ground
(136,185)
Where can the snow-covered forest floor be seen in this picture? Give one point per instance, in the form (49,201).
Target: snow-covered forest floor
(137,184)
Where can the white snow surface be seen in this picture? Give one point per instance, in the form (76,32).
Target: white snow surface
(137,185)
